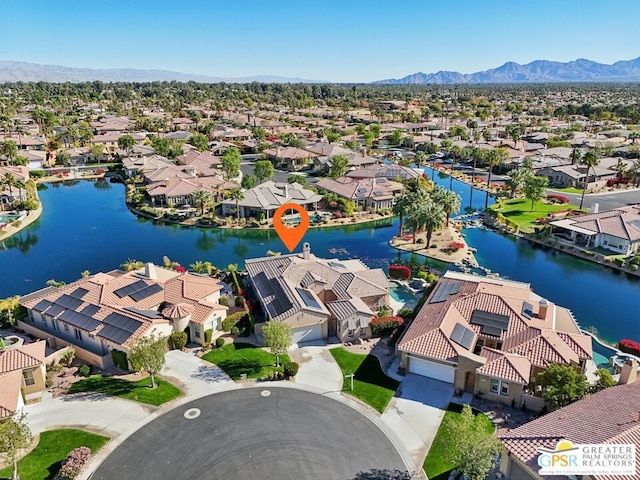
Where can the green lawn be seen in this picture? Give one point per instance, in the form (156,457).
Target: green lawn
(518,210)
(435,464)
(567,190)
(138,391)
(370,384)
(238,358)
(43,462)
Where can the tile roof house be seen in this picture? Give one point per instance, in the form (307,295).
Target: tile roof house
(268,196)
(490,337)
(372,193)
(180,188)
(8,195)
(318,298)
(611,416)
(22,371)
(291,158)
(617,230)
(111,311)
(390,172)
(574,176)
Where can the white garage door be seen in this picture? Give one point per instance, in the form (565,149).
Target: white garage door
(306,334)
(429,369)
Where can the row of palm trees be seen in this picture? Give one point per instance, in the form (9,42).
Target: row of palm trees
(427,210)
(204,199)
(10,181)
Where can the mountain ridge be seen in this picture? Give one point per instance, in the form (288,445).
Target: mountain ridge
(538,71)
(12,71)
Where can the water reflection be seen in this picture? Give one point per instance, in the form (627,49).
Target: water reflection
(23,241)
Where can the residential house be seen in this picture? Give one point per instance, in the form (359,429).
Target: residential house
(390,172)
(490,337)
(617,230)
(609,417)
(177,190)
(575,175)
(267,197)
(326,151)
(371,194)
(11,194)
(140,165)
(22,373)
(112,125)
(291,158)
(318,298)
(111,311)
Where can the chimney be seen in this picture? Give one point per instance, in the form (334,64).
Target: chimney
(150,271)
(629,373)
(595,208)
(543,305)
(306,251)
(166,182)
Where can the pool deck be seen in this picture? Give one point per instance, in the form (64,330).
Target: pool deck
(31,217)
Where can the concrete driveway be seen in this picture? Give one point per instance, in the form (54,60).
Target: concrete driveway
(416,411)
(318,369)
(196,377)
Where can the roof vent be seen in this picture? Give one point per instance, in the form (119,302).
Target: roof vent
(150,271)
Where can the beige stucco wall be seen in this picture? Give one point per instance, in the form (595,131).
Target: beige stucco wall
(308,319)
(39,375)
(483,384)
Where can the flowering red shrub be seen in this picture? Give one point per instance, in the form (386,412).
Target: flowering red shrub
(477,179)
(180,268)
(629,346)
(455,246)
(75,462)
(100,171)
(337,214)
(541,221)
(555,198)
(380,325)
(399,272)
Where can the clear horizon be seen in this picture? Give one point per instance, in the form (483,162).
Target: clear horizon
(336,41)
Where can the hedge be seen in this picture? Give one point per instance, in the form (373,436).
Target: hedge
(179,340)
(400,272)
(120,359)
(629,346)
(231,321)
(208,333)
(380,325)
(291,369)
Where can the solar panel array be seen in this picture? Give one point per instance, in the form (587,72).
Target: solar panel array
(150,314)
(445,288)
(55,310)
(79,292)
(118,328)
(90,310)
(129,289)
(527,310)
(491,323)
(79,320)
(278,302)
(462,335)
(146,292)
(307,298)
(67,301)
(42,305)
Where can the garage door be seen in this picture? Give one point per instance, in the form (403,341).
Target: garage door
(306,334)
(429,369)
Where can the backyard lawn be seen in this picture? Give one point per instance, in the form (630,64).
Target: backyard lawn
(138,391)
(518,210)
(435,464)
(238,358)
(370,384)
(43,462)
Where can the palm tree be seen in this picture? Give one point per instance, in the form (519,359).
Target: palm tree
(635,170)
(621,169)
(20,185)
(401,208)
(495,157)
(634,136)
(237,195)
(9,181)
(431,218)
(590,160)
(576,155)
(202,199)
(233,268)
(450,202)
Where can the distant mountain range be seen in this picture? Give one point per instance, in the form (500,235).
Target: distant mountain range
(539,71)
(33,72)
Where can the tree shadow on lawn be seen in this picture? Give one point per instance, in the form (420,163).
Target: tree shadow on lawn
(236,367)
(109,386)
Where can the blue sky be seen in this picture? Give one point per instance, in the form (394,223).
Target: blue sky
(340,41)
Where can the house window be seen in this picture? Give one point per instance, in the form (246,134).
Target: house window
(499,387)
(44,323)
(28,378)
(361,331)
(504,388)
(66,327)
(56,324)
(78,333)
(495,385)
(196,331)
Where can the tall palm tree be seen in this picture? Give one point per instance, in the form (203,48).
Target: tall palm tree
(431,218)
(20,185)
(233,268)
(202,199)
(9,181)
(635,170)
(576,155)
(621,169)
(237,195)
(495,157)
(589,160)
(450,202)
(401,207)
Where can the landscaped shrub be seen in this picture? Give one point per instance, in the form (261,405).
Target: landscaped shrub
(208,333)
(238,301)
(629,346)
(219,342)
(231,321)
(382,325)
(234,330)
(37,173)
(77,459)
(120,359)
(619,262)
(421,241)
(455,246)
(555,198)
(400,272)
(179,340)
(224,301)
(291,369)
(337,214)
(85,370)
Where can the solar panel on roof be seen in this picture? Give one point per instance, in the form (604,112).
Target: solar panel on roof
(308,299)
(55,310)
(146,292)
(129,289)
(491,323)
(444,289)
(121,321)
(79,320)
(69,302)
(90,310)
(462,335)
(114,334)
(79,292)
(42,305)
(150,314)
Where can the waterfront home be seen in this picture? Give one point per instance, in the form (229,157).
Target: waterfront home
(177,190)
(491,337)
(291,158)
(266,198)
(609,417)
(390,172)
(10,193)
(617,230)
(110,140)
(318,298)
(326,151)
(22,375)
(575,176)
(371,193)
(140,165)
(111,311)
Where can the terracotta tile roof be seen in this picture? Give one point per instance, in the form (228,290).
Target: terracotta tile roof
(609,416)
(354,189)
(506,366)
(10,392)
(24,356)
(622,222)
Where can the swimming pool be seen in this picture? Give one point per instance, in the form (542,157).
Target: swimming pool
(602,353)
(401,294)
(9,217)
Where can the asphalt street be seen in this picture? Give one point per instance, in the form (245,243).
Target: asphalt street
(277,433)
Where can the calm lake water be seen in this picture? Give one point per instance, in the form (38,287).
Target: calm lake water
(86,226)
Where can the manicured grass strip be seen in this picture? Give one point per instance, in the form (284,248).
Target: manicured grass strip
(238,358)
(567,190)
(371,384)
(435,464)
(139,391)
(518,210)
(44,461)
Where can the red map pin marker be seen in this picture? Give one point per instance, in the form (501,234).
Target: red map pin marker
(291,236)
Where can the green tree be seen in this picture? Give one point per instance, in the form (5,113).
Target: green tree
(9,310)
(297,179)
(231,163)
(396,137)
(63,158)
(369,137)
(202,200)
(534,188)
(514,131)
(249,181)
(200,141)
(431,217)
(470,449)
(237,195)
(375,129)
(147,355)
(15,436)
(263,170)
(332,136)
(517,179)
(9,181)
(8,149)
(233,269)
(589,160)
(605,380)
(562,385)
(96,152)
(361,128)
(338,166)
(495,157)
(450,202)
(126,143)
(277,336)
(576,155)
